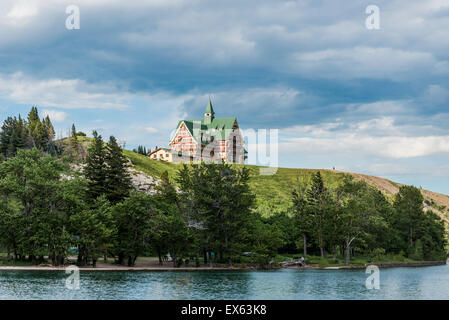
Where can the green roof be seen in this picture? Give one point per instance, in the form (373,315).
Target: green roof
(220,124)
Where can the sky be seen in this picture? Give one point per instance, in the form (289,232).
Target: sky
(373,101)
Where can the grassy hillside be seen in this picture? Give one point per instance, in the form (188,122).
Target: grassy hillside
(273,191)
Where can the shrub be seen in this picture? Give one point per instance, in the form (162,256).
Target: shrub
(377,254)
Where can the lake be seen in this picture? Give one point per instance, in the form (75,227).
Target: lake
(395,283)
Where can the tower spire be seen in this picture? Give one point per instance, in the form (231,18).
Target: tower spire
(209,114)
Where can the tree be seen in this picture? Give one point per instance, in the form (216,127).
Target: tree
(17,134)
(50,128)
(141,150)
(117,179)
(30,184)
(421,234)
(359,212)
(74,139)
(265,241)
(218,200)
(133,220)
(12,227)
(301,214)
(317,197)
(171,227)
(95,230)
(95,170)
(13,136)
(409,208)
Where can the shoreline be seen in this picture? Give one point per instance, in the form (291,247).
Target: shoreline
(385,265)
(382,265)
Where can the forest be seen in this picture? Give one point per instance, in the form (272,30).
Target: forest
(202,215)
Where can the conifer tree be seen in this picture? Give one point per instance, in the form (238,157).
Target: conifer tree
(117,177)
(50,128)
(33,126)
(317,200)
(74,139)
(95,170)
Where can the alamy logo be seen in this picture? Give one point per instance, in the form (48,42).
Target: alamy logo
(73,20)
(73,280)
(372,22)
(373,281)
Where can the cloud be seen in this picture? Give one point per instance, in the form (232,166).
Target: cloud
(23,10)
(374,138)
(365,62)
(54,115)
(388,147)
(151,130)
(61,93)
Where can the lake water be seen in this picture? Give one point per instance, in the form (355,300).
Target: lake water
(395,283)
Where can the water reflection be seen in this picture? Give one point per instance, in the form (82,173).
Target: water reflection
(397,283)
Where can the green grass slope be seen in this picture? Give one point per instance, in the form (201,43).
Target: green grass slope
(273,192)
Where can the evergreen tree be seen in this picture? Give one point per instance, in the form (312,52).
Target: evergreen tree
(132,218)
(50,129)
(5,136)
(301,214)
(409,208)
(34,127)
(118,180)
(95,229)
(219,201)
(74,139)
(95,170)
(318,202)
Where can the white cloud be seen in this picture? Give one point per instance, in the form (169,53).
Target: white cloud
(23,10)
(55,116)
(364,62)
(151,130)
(378,138)
(61,93)
(389,147)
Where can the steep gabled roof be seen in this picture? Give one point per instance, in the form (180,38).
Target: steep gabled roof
(223,125)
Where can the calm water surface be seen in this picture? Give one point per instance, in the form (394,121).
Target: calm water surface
(395,283)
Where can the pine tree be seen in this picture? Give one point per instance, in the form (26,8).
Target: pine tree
(118,180)
(6,135)
(95,170)
(74,139)
(33,127)
(317,200)
(50,129)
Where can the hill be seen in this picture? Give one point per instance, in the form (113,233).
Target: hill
(273,191)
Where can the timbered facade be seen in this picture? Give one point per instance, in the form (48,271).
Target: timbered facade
(208,139)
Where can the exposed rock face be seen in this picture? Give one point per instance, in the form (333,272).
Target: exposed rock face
(140,180)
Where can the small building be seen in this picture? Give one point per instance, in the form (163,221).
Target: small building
(163,154)
(208,139)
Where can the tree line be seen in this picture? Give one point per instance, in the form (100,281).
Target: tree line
(356,216)
(32,132)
